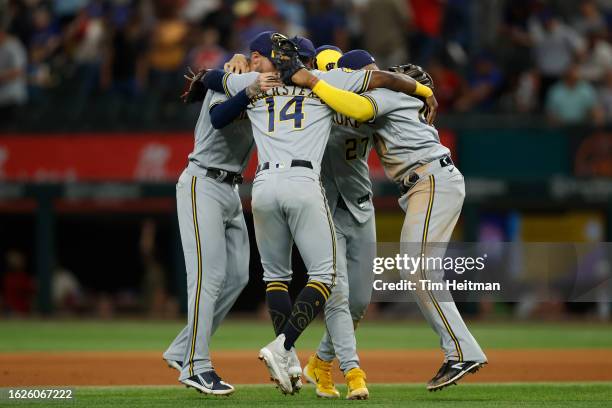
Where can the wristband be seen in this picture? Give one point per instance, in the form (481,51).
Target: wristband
(422,90)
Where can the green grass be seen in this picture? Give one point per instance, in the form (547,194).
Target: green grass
(248,334)
(467,395)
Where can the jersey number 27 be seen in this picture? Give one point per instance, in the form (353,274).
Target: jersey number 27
(294,104)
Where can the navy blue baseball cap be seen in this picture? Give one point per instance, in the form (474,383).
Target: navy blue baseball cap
(262,44)
(305,46)
(356,59)
(327,47)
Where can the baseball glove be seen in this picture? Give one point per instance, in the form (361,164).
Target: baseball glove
(285,57)
(194,90)
(415,72)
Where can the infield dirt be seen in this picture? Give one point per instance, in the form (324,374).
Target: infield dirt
(242,367)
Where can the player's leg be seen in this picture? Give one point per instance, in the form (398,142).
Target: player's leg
(274,243)
(313,230)
(237,275)
(201,218)
(354,251)
(337,317)
(309,217)
(333,308)
(432,207)
(360,253)
(358,244)
(175,352)
(295,203)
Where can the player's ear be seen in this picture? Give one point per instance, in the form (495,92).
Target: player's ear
(255,58)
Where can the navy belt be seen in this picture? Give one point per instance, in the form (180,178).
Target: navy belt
(294,163)
(413,178)
(223,176)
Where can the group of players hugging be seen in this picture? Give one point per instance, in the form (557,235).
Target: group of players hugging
(314,116)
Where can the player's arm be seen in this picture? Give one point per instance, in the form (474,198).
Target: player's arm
(215,79)
(347,103)
(222,114)
(407,85)
(228,83)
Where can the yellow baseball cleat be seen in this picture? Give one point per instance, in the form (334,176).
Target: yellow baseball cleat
(356,382)
(318,372)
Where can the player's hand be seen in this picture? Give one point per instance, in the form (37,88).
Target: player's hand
(239,64)
(432,109)
(304,78)
(268,81)
(263,83)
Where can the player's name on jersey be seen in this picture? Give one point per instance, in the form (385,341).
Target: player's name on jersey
(429,285)
(286,91)
(342,120)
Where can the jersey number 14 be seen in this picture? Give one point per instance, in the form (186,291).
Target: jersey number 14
(291,111)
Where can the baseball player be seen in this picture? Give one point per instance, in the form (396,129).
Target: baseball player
(339,317)
(345,176)
(291,127)
(214,238)
(432,196)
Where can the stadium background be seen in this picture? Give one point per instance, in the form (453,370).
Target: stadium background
(93,138)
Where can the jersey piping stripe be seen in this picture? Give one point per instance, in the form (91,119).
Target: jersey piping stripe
(199,284)
(333,234)
(322,286)
(432,189)
(374,105)
(225,77)
(366,82)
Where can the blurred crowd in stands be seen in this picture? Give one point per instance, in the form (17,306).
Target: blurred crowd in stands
(78,291)
(550,57)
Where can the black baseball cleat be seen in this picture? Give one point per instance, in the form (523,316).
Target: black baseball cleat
(177,365)
(451,372)
(209,382)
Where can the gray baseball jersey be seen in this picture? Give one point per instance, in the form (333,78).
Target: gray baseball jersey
(291,122)
(406,145)
(403,139)
(228,149)
(213,235)
(345,170)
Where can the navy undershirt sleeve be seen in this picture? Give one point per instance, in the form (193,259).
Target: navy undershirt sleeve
(224,113)
(214,80)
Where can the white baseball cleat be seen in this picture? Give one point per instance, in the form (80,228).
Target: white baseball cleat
(295,370)
(276,359)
